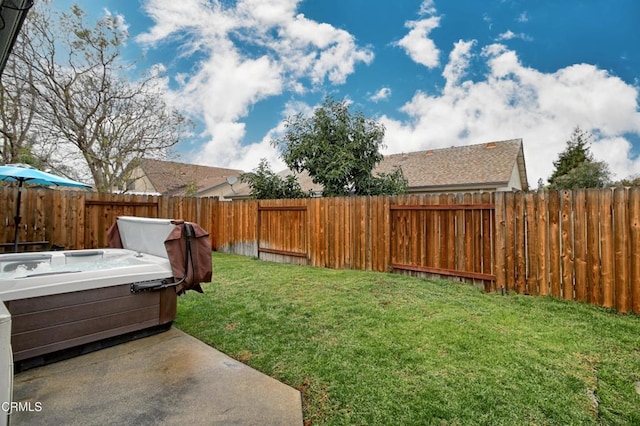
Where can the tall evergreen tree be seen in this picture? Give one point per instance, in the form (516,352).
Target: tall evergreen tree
(575,167)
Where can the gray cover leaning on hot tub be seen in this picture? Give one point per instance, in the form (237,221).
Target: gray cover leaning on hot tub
(200,265)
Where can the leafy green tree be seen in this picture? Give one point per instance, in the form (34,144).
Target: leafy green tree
(191,189)
(631,180)
(575,167)
(386,184)
(339,150)
(266,185)
(589,174)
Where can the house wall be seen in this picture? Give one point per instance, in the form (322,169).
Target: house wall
(450,190)
(218,191)
(140,182)
(515,181)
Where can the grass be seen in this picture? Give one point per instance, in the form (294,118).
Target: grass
(372,348)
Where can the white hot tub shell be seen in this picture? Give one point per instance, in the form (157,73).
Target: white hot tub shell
(65,299)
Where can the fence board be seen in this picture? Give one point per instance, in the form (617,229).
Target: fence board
(542,207)
(580,244)
(634,248)
(500,241)
(510,223)
(607,248)
(486,239)
(621,241)
(594,292)
(555,266)
(566,226)
(387,233)
(521,260)
(531,236)
(470,240)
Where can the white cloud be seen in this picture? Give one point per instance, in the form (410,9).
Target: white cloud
(616,152)
(510,35)
(417,43)
(514,101)
(427,8)
(458,62)
(246,52)
(381,95)
(289,52)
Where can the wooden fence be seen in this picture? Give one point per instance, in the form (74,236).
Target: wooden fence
(77,220)
(425,235)
(582,245)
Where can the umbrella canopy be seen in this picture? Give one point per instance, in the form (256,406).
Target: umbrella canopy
(25,173)
(22,173)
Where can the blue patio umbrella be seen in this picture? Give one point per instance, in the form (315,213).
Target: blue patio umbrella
(22,173)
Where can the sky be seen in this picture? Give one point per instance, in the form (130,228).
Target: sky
(435,73)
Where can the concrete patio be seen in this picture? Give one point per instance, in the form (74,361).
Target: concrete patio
(169,378)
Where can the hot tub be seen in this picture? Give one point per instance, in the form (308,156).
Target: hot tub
(60,300)
(79,300)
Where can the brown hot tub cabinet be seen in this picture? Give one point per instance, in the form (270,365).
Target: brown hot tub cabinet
(71,302)
(44,326)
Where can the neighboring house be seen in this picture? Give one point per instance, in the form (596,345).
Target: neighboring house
(492,166)
(179,179)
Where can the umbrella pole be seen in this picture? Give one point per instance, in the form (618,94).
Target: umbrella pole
(17,219)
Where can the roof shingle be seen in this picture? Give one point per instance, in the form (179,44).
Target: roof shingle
(172,178)
(491,162)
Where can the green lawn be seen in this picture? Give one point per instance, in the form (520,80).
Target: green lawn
(372,348)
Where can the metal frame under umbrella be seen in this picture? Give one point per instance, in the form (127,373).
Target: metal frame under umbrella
(22,173)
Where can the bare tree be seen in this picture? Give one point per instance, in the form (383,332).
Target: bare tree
(17,105)
(86,102)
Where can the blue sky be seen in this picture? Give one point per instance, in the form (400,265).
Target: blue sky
(436,73)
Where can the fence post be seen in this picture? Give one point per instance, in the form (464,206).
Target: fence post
(499,245)
(634,247)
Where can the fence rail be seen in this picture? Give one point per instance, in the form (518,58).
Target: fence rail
(582,245)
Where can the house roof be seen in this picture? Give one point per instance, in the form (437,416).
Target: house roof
(480,166)
(172,178)
(460,166)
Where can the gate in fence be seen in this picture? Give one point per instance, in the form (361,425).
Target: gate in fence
(282,232)
(453,237)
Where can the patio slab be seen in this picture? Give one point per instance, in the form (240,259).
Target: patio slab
(169,378)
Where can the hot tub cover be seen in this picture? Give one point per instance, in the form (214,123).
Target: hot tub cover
(189,252)
(192,253)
